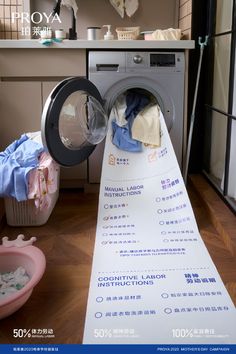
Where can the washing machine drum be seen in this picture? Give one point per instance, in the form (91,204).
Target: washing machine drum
(73,121)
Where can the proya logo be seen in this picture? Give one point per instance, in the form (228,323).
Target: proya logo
(35,17)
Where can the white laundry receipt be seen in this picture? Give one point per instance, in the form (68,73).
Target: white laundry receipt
(153,281)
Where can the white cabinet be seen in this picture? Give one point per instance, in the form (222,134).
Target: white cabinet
(42,63)
(20,110)
(21,105)
(26,78)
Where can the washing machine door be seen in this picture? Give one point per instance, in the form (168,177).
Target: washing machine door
(73,121)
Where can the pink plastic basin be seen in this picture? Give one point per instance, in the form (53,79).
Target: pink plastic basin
(33,260)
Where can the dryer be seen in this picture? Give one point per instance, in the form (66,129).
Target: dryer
(75,115)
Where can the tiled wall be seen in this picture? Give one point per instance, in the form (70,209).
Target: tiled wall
(9,30)
(185,17)
(151,14)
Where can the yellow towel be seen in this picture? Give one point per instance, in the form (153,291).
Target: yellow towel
(146,126)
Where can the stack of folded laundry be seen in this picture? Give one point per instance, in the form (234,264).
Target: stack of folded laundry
(27,171)
(170,34)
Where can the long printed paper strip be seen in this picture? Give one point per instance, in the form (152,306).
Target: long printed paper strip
(153,281)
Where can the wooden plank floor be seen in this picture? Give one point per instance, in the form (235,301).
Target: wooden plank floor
(59,300)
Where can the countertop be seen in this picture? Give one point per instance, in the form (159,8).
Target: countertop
(98,44)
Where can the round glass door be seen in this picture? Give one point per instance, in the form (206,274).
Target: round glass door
(82,121)
(73,121)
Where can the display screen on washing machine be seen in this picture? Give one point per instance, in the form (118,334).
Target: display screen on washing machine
(159,59)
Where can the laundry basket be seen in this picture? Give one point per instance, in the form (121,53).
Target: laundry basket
(25,213)
(127,33)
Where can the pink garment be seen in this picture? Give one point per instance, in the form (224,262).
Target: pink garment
(42,182)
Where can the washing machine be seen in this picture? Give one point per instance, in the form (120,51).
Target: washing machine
(159,73)
(75,115)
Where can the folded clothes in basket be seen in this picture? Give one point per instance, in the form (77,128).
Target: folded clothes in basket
(28,172)
(169,34)
(16,162)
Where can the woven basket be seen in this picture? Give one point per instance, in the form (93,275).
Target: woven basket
(25,213)
(127,33)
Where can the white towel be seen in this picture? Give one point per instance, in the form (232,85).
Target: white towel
(128,6)
(146,126)
(131,6)
(71,3)
(119,5)
(119,109)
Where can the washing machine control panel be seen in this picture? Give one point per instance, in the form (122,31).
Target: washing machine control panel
(159,59)
(137,59)
(155,61)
